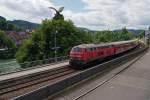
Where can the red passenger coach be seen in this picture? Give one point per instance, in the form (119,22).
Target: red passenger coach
(86,53)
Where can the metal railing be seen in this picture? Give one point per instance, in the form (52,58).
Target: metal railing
(13,66)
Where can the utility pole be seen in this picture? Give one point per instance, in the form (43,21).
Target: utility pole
(55,42)
(57,16)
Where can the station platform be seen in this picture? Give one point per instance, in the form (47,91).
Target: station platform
(132,83)
(32,71)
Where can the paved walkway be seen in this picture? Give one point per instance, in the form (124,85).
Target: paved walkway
(131,84)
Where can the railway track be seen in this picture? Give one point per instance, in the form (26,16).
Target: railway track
(26,84)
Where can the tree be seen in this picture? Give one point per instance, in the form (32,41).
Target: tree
(8,44)
(126,35)
(3,24)
(41,43)
(141,35)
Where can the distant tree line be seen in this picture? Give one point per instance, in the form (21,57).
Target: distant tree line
(111,36)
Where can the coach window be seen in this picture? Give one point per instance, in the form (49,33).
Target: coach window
(91,49)
(88,50)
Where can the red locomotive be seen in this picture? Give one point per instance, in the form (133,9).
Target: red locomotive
(86,53)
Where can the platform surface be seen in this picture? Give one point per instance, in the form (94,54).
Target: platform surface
(131,84)
(32,71)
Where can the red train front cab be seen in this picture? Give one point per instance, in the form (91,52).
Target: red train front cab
(77,56)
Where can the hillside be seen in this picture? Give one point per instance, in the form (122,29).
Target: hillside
(2,18)
(24,24)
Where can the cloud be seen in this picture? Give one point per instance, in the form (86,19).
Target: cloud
(32,10)
(111,14)
(96,14)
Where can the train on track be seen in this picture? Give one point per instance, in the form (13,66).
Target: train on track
(84,54)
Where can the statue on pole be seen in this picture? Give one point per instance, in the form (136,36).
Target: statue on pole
(58,15)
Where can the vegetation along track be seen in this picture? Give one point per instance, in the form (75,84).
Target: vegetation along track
(17,87)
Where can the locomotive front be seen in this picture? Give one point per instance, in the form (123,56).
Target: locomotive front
(77,56)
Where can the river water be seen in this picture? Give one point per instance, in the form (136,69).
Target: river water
(8,66)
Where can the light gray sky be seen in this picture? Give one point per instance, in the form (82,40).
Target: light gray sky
(93,14)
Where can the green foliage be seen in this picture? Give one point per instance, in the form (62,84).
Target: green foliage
(40,45)
(6,26)
(110,36)
(126,35)
(141,35)
(6,42)
(3,24)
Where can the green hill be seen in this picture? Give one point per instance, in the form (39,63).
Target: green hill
(24,24)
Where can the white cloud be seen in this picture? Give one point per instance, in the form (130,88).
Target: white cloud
(97,14)
(32,10)
(111,14)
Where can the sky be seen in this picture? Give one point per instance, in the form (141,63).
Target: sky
(92,14)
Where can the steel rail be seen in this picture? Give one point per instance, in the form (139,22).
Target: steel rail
(33,81)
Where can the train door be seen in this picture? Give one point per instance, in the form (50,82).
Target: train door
(94,52)
(99,52)
(111,50)
(108,50)
(84,55)
(89,53)
(104,51)
(117,49)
